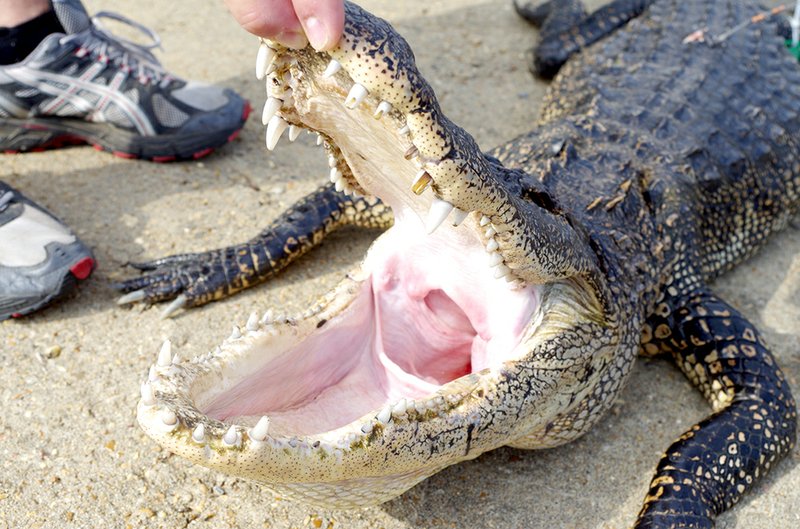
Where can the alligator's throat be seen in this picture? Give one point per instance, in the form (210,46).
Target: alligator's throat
(427,311)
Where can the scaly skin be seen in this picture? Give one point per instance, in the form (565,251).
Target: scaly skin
(657,165)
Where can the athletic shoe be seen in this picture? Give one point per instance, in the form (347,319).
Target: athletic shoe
(41,260)
(89,86)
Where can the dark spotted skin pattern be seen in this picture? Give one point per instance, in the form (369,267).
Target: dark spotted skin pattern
(216,274)
(675,161)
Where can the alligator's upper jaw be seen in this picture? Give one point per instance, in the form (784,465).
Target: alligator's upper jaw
(414,361)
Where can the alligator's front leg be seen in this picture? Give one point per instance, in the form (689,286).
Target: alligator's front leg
(198,278)
(755,421)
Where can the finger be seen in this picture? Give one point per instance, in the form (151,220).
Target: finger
(273,19)
(322,20)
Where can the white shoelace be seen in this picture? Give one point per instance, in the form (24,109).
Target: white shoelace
(131,55)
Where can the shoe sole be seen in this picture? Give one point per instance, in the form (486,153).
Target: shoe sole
(37,134)
(78,271)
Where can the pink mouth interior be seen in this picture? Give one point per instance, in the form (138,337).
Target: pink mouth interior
(429,312)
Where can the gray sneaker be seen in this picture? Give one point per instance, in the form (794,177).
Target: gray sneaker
(89,86)
(41,260)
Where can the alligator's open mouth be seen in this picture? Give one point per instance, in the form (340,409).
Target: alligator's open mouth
(387,379)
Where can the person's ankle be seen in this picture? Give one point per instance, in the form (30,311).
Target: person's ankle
(18,42)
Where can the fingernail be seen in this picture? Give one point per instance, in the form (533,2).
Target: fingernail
(317,33)
(296,40)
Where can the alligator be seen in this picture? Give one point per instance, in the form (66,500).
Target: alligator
(511,292)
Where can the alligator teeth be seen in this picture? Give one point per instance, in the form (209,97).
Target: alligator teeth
(356,96)
(501,271)
(252,322)
(485,220)
(458,216)
(277,125)
(294,132)
(319,139)
(332,161)
(264,60)
(267,318)
(271,107)
(421,182)
(439,211)
(231,437)
(495,259)
(339,185)
(366,429)
(333,67)
(260,430)
(403,131)
(383,108)
(412,152)
(385,415)
(400,407)
(492,246)
(152,374)
(199,434)
(491,232)
(168,417)
(236,333)
(148,396)
(165,354)
(336,175)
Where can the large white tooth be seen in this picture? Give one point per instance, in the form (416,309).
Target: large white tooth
(495,259)
(383,108)
(356,96)
(404,130)
(439,211)
(252,322)
(271,107)
(148,396)
(336,175)
(339,185)
(491,232)
(333,67)
(267,318)
(501,271)
(492,246)
(199,434)
(277,125)
(294,132)
(384,415)
(260,430)
(236,333)
(152,375)
(319,139)
(459,216)
(332,161)
(485,220)
(264,60)
(400,407)
(231,437)
(168,417)
(165,354)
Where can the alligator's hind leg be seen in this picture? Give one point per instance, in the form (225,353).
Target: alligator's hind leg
(198,278)
(566,29)
(755,421)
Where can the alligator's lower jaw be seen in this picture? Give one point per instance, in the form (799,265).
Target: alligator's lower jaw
(402,350)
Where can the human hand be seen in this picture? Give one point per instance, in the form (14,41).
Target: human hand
(293,23)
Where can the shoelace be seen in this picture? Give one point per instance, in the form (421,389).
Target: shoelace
(5,200)
(131,55)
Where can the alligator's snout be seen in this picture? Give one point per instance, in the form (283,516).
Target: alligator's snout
(461,331)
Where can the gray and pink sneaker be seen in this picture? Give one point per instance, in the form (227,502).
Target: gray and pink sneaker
(41,260)
(89,86)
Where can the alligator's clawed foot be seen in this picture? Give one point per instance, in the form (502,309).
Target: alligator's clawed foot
(188,280)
